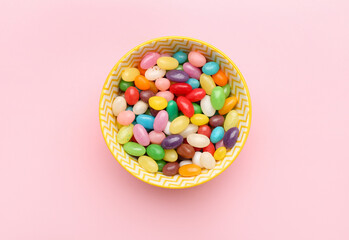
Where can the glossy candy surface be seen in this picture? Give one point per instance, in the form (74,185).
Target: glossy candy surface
(180,88)
(141,135)
(145,95)
(148,164)
(177,76)
(119,105)
(220,78)
(196,59)
(199,119)
(129,74)
(191,128)
(207,160)
(146,121)
(170,155)
(231,120)
(172,110)
(170,169)
(217,134)
(131,96)
(185,150)
(220,153)
(196,95)
(125,117)
(149,60)
(191,70)
(156,137)
(230,137)
(207,107)
(158,103)
(134,149)
(216,120)
(210,68)
(125,134)
(207,83)
(155,151)
(185,106)
(154,73)
(162,84)
(167,63)
(123,85)
(189,170)
(198,140)
(205,130)
(172,141)
(142,83)
(210,148)
(140,107)
(194,83)
(217,98)
(166,94)
(160,121)
(179,124)
(181,57)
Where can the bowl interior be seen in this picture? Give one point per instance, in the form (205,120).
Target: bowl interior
(172,45)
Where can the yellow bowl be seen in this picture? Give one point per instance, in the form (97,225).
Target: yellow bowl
(171,45)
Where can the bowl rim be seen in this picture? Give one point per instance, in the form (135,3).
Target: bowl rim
(190,39)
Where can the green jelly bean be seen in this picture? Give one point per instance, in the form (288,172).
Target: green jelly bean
(148,112)
(161,164)
(180,67)
(155,151)
(123,85)
(226,89)
(134,149)
(125,134)
(197,108)
(217,98)
(172,110)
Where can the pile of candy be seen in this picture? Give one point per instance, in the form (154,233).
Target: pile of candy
(173,110)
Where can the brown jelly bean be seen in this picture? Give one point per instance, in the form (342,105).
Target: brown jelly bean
(186,151)
(216,121)
(170,169)
(145,95)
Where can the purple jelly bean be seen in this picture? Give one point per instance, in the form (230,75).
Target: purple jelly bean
(177,76)
(193,72)
(172,141)
(230,137)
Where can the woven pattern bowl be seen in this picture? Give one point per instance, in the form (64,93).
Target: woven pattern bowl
(171,45)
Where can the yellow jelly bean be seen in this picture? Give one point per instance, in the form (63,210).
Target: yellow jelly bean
(179,124)
(148,164)
(207,83)
(199,119)
(157,103)
(220,153)
(129,74)
(170,155)
(231,120)
(167,63)
(125,134)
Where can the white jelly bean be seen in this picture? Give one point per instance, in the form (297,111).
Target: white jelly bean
(198,140)
(167,128)
(154,73)
(192,128)
(140,107)
(207,107)
(119,105)
(185,162)
(207,160)
(196,159)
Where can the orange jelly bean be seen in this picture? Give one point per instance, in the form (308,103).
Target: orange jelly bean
(220,78)
(189,170)
(229,104)
(153,87)
(141,70)
(142,83)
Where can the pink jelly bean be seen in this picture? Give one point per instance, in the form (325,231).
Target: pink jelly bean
(160,121)
(126,117)
(141,135)
(149,60)
(162,84)
(196,59)
(156,137)
(219,144)
(166,94)
(193,72)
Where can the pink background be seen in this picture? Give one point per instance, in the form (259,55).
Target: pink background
(58,179)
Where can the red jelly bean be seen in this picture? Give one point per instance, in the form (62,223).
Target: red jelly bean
(205,130)
(131,95)
(210,148)
(180,88)
(196,95)
(184,105)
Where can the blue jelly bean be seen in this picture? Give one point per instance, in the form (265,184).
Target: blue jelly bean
(194,83)
(217,134)
(181,57)
(210,68)
(146,121)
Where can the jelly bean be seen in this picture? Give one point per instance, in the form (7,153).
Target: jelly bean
(196,59)
(145,95)
(131,95)
(180,67)
(170,155)
(231,120)
(170,169)
(207,83)
(229,104)
(160,121)
(154,112)
(192,71)
(123,85)
(179,124)
(148,164)
(190,129)
(216,121)
(217,98)
(125,134)
(210,68)
(125,117)
(185,151)
(194,83)
(185,106)
(134,149)
(177,76)
(166,94)
(140,107)
(158,103)
(153,87)
(180,88)
(141,135)
(185,162)
(196,159)
(162,84)
(129,74)
(217,134)
(146,121)
(230,137)
(197,108)
(205,130)
(167,128)
(142,83)
(149,60)
(161,164)
(207,160)
(156,137)
(155,151)
(141,70)
(189,170)
(207,107)
(227,90)
(220,78)
(198,140)
(172,110)
(119,105)
(167,63)
(172,141)
(181,57)
(196,95)
(154,73)
(220,153)
(219,144)
(199,119)
(210,148)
